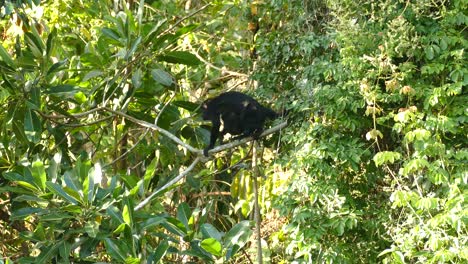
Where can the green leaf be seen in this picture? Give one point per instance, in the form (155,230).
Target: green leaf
(35,44)
(70,181)
(26,212)
(154,221)
(159,252)
(183,214)
(237,237)
(28,186)
(429,51)
(133,48)
(209,230)
(92,74)
(63,90)
(186,105)
(384,157)
(39,174)
(58,190)
(127,216)
(6,57)
(212,246)
(174,226)
(137,77)
(114,250)
(92,228)
(50,42)
(56,66)
(182,57)
(115,214)
(110,33)
(32,126)
(150,171)
(162,77)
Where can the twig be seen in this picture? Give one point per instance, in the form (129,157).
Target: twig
(257,217)
(184,18)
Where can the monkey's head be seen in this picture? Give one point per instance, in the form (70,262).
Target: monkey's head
(204,109)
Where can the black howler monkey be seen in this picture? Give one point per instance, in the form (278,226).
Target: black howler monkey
(239,114)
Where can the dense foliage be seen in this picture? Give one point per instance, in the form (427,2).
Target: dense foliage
(372,167)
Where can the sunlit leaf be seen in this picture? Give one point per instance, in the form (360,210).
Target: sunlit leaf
(212,246)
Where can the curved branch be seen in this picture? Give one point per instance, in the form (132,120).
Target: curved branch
(245,140)
(169,184)
(155,127)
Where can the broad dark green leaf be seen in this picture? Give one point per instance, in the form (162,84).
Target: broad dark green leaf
(115,214)
(63,90)
(25,212)
(153,221)
(159,252)
(182,57)
(35,44)
(48,252)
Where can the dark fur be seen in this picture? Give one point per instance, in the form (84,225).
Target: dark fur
(240,115)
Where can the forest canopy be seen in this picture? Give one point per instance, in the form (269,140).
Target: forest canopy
(102,136)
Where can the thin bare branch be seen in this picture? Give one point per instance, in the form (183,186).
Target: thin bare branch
(169,184)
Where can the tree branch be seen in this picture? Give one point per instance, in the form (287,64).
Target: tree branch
(245,140)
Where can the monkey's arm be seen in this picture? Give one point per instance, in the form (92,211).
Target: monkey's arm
(216,123)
